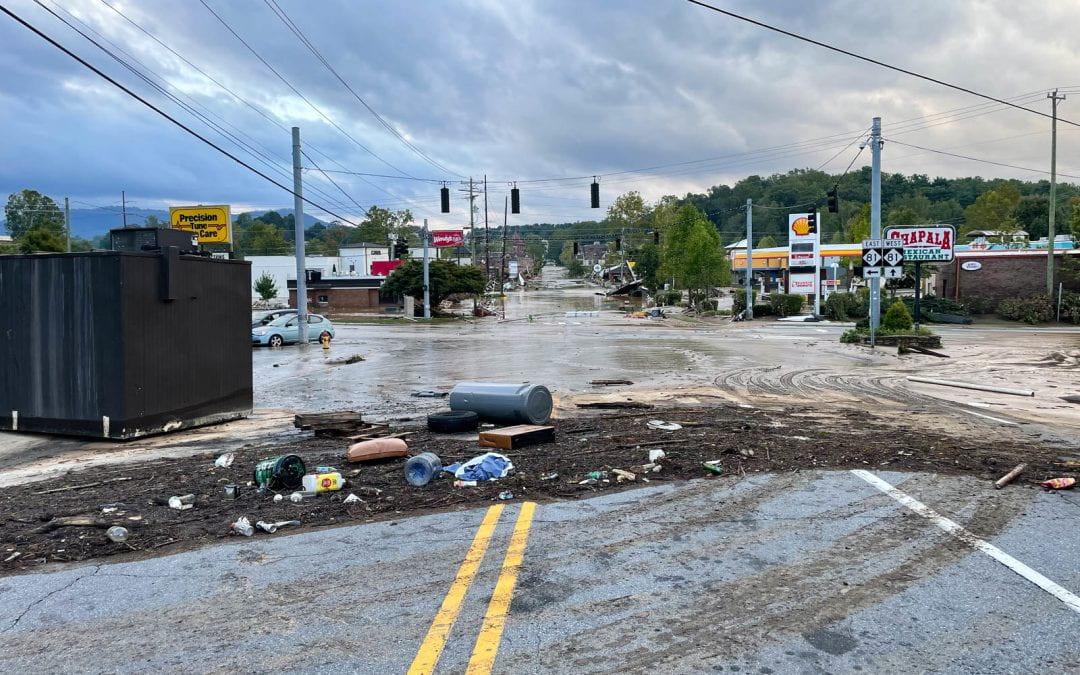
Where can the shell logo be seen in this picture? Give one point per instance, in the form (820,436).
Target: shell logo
(801,226)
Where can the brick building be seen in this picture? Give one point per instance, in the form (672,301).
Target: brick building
(341,295)
(996,275)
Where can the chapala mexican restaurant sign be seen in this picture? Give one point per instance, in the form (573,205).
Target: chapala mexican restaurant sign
(444,238)
(931,243)
(210,223)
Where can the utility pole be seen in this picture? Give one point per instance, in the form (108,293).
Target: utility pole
(123,206)
(748,313)
(298,229)
(472,223)
(1054,98)
(67,223)
(487,242)
(502,269)
(875,221)
(427,280)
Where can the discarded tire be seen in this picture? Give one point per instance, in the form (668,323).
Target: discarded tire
(452,421)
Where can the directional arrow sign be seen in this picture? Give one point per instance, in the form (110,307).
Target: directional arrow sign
(893,257)
(893,272)
(872,257)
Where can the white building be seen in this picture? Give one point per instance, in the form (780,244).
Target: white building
(356,259)
(283,268)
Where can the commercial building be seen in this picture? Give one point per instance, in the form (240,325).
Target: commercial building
(994,275)
(342,295)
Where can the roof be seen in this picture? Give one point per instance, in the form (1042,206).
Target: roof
(362,244)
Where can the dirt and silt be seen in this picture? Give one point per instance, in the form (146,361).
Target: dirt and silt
(745,439)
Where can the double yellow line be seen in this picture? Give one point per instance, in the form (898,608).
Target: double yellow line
(487,642)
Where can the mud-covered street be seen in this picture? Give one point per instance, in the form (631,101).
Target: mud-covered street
(799,556)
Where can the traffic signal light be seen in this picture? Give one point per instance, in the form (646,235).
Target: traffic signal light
(834,204)
(401,249)
(656,237)
(811,221)
(575,248)
(515,200)
(595,193)
(444,199)
(618,243)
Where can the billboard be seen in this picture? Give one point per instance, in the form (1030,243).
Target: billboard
(446,238)
(211,224)
(925,243)
(803,258)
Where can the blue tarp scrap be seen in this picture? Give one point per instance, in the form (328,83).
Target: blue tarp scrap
(488,466)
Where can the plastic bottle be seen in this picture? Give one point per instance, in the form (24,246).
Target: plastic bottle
(117,534)
(419,470)
(323,482)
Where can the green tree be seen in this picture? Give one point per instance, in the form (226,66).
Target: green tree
(153,221)
(262,238)
(768,241)
(994,210)
(857,227)
(266,287)
(903,215)
(446,278)
(1074,218)
(29,209)
(535,249)
(574,268)
(692,254)
(379,224)
(648,265)
(41,239)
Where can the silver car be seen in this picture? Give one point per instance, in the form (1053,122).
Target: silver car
(285,330)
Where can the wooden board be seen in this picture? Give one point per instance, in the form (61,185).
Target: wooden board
(509,438)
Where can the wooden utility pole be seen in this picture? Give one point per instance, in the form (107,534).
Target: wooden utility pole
(1054,98)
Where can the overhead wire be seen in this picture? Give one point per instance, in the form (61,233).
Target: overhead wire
(296,91)
(192,107)
(233,93)
(976,159)
(159,111)
(876,62)
(291,25)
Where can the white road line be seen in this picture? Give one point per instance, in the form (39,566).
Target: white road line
(1068,597)
(972,412)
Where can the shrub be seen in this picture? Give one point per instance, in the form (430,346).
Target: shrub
(852,336)
(1070,307)
(979,305)
(669,297)
(763,310)
(1033,310)
(897,318)
(842,306)
(785,304)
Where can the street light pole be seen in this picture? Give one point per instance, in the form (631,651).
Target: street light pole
(427,280)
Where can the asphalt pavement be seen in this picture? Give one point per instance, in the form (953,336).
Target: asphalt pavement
(802,572)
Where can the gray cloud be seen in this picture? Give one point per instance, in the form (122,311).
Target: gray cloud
(521,90)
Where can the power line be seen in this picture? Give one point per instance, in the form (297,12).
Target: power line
(291,25)
(161,112)
(975,159)
(235,95)
(875,61)
(297,91)
(189,108)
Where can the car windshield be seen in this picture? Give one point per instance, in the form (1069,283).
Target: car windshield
(283,320)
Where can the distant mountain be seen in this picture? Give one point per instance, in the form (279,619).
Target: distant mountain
(93,223)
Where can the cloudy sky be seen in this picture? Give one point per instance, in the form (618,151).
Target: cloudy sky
(522,90)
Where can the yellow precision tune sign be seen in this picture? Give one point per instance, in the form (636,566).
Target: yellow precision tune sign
(211,224)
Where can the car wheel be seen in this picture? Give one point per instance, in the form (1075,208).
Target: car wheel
(276,341)
(453,421)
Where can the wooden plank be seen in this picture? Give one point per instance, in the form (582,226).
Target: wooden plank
(509,438)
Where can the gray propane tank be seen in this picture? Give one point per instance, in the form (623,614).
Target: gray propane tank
(521,403)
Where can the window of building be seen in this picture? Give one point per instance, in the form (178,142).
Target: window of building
(324,298)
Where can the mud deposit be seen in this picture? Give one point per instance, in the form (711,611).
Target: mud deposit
(744,440)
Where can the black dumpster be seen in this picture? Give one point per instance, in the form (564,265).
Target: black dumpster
(116,344)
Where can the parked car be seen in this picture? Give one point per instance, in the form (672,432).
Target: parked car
(285,330)
(267,317)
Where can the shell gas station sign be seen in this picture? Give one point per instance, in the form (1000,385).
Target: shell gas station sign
(803,260)
(211,224)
